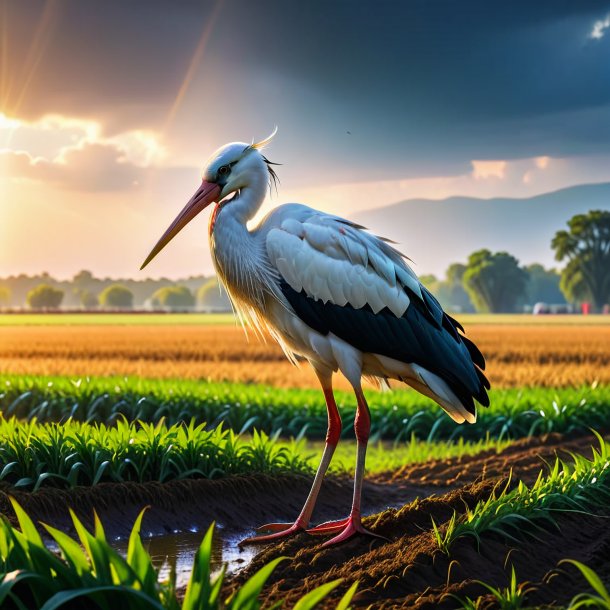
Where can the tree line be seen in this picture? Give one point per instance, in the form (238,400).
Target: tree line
(85,291)
(495,282)
(487,282)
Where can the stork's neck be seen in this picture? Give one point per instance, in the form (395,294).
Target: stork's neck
(236,251)
(248,201)
(243,206)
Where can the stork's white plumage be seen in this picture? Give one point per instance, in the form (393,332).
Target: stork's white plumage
(336,295)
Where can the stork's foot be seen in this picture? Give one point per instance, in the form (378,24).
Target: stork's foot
(329,527)
(345,529)
(274,531)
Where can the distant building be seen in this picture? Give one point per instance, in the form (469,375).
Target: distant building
(554,308)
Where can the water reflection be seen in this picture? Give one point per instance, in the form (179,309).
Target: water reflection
(176,552)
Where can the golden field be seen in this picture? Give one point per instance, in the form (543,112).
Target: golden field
(517,355)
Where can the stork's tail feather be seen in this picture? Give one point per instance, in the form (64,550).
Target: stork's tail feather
(456,388)
(474,351)
(484,381)
(460,409)
(468,391)
(455,323)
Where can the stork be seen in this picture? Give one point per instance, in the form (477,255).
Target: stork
(334,294)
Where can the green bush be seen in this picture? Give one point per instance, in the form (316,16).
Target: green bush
(173,297)
(45,296)
(212,296)
(116,297)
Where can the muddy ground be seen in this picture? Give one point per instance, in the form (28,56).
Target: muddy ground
(408,571)
(238,503)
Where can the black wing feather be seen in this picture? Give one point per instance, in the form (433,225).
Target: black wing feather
(475,353)
(424,335)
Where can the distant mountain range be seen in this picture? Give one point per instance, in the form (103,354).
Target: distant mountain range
(435,233)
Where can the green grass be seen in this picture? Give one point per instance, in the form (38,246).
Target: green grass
(511,597)
(589,600)
(72,454)
(514,595)
(169,319)
(298,412)
(116,319)
(75,454)
(89,573)
(386,457)
(581,485)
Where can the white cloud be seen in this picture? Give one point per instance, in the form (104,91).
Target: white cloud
(482,170)
(88,167)
(73,153)
(600,27)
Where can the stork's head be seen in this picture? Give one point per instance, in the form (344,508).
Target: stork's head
(231,168)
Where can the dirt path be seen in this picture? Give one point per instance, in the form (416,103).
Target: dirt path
(410,571)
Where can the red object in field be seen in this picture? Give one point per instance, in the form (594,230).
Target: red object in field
(586,309)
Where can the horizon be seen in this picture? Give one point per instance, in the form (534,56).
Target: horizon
(178,278)
(95,161)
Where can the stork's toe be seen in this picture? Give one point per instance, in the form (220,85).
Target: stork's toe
(345,529)
(274,531)
(329,527)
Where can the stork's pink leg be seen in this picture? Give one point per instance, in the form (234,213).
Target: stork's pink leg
(273,531)
(347,528)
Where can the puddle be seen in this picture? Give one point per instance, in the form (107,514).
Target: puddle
(174,552)
(177,552)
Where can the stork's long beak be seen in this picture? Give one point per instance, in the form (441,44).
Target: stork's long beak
(207,193)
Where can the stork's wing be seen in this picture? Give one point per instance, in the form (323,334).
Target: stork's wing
(340,279)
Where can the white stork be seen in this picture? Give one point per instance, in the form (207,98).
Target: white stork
(332,293)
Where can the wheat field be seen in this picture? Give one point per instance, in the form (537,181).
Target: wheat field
(527,355)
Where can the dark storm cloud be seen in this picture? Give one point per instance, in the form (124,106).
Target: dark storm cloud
(122,61)
(426,85)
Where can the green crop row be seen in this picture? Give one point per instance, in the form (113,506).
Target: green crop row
(384,456)
(395,415)
(89,573)
(581,485)
(73,453)
(514,596)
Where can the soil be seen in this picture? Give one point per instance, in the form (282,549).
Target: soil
(410,572)
(237,503)
(407,571)
(525,457)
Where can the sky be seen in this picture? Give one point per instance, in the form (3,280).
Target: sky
(108,111)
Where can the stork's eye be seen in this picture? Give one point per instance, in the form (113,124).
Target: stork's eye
(224,170)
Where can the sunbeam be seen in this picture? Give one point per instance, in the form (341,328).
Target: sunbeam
(40,41)
(194,64)
(3,55)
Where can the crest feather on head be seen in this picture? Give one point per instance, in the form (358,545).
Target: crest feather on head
(260,145)
(273,179)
